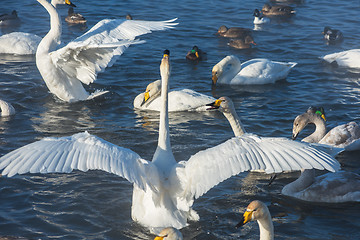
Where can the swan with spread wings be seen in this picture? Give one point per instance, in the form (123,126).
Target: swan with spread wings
(66,69)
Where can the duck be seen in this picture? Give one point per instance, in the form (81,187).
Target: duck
(181,99)
(6,109)
(348,59)
(66,69)
(242,43)
(258,19)
(334,187)
(164,189)
(169,233)
(332,35)
(277,10)
(19,43)
(255,71)
(74,18)
(9,19)
(195,54)
(345,136)
(233,32)
(258,211)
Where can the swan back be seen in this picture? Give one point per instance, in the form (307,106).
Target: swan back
(6,109)
(349,58)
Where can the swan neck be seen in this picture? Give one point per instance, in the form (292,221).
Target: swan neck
(306,178)
(320,130)
(52,38)
(266,228)
(232,65)
(235,122)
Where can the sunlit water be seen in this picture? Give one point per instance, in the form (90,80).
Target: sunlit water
(95,204)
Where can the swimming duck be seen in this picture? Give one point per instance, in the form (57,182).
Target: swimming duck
(128,17)
(179,99)
(9,19)
(258,19)
(74,18)
(195,54)
(332,35)
(277,10)
(345,136)
(348,58)
(255,71)
(233,32)
(164,189)
(242,43)
(169,233)
(258,211)
(6,109)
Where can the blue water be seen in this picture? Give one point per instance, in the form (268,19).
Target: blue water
(95,204)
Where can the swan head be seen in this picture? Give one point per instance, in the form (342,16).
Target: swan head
(165,65)
(67,2)
(152,91)
(256,210)
(228,65)
(169,233)
(304,119)
(223,104)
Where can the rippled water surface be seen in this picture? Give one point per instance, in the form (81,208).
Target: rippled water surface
(95,204)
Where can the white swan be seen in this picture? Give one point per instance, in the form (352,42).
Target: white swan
(345,136)
(179,99)
(349,58)
(65,69)
(6,109)
(19,43)
(164,189)
(169,233)
(258,211)
(256,71)
(334,187)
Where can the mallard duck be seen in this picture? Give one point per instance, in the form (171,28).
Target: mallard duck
(195,54)
(74,18)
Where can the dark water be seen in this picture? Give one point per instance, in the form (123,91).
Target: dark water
(96,205)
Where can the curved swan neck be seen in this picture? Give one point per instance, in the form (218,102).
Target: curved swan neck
(266,228)
(320,129)
(163,155)
(306,178)
(235,122)
(232,65)
(52,39)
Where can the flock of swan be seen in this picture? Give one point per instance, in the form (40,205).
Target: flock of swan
(164,189)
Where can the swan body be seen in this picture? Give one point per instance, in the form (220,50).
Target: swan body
(19,43)
(64,70)
(179,99)
(258,19)
(258,211)
(74,18)
(349,58)
(6,109)
(334,187)
(164,189)
(256,71)
(345,136)
(233,32)
(169,233)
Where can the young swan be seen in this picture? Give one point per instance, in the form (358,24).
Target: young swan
(258,211)
(169,233)
(343,136)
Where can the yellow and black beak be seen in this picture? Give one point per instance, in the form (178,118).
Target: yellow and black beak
(214,105)
(67,2)
(146,97)
(159,238)
(245,218)
(214,78)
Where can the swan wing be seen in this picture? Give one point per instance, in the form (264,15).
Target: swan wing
(99,47)
(82,152)
(207,168)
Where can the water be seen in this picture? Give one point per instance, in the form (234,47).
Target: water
(96,205)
